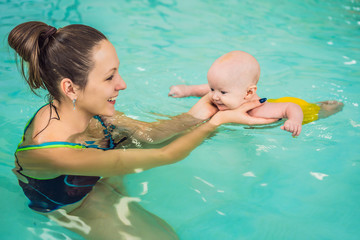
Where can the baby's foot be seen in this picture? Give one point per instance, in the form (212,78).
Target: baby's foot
(328,108)
(179,91)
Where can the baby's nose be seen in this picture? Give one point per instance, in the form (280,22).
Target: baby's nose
(215,96)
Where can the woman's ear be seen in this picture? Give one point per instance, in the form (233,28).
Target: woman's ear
(68,88)
(251,91)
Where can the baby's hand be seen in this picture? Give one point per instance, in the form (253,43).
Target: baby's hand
(179,91)
(293,127)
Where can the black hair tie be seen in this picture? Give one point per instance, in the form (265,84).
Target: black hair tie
(44,38)
(50,32)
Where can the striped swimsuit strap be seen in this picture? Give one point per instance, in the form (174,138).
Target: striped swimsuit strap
(59,144)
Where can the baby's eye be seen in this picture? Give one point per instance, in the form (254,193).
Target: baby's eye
(211,89)
(110,78)
(223,92)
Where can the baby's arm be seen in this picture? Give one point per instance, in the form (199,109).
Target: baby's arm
(179,91)
(288,110)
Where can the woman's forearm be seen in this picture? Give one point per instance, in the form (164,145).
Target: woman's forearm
(181,147)
(162,130)
(157,132)
(136,160)
(149,132)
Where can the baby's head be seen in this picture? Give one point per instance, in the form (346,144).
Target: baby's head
(232,79)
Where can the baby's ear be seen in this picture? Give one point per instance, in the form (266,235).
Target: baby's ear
(251,91)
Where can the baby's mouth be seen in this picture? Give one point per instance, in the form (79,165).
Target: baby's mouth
(219,104)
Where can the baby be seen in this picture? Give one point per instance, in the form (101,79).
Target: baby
(232,80)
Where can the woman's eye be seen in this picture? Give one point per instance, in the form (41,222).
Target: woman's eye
(110,78)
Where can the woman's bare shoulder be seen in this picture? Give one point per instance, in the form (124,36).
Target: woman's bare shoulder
(44,127)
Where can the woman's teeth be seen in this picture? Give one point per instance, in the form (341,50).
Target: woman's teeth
(112,99)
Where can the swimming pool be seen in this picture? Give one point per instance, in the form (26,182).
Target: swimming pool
(240,183)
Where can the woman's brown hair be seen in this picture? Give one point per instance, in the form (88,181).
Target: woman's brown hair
(52,55)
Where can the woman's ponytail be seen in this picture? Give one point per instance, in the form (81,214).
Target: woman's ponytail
(52,55)
(27,39)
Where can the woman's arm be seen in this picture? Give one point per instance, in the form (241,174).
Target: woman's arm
(49,163)
(156,132)
(42,163)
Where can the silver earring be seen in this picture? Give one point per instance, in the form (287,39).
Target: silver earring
(74,100)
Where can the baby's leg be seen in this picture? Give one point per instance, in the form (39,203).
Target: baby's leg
(179,91)
(328,108)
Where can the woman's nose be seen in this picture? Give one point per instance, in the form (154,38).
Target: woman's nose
(120,85)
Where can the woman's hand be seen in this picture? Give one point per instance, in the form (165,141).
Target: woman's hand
(203,109)
(240,115)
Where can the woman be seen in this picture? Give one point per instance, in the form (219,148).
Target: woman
(67,162)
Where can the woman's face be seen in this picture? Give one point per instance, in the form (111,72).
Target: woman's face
(104,82)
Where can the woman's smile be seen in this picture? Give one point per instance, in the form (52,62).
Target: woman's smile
(112,100)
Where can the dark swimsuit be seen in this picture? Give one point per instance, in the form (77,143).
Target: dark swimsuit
(47,195)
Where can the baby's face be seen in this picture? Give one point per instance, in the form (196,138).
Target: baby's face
(230,78)
(226,94)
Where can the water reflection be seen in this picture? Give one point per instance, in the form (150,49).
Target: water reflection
(318,175)
(122,209)
(71,221)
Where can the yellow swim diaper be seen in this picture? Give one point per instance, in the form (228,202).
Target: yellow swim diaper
(310,110)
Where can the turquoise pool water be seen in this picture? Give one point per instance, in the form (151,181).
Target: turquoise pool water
(240,183)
